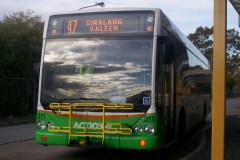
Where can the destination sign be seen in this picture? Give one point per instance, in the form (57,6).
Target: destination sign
(101,23)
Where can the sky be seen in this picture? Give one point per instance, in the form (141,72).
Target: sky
(186,14)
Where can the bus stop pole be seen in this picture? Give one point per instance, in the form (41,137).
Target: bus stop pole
(218,92)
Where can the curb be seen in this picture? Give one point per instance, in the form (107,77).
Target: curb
(201,145)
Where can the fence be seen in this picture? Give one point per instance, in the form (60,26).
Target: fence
(18,97)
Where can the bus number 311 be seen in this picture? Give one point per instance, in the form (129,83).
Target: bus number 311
(149,119)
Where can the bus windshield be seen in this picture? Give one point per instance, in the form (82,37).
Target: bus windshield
(98,70)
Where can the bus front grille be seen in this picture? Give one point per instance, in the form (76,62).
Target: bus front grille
(86,132)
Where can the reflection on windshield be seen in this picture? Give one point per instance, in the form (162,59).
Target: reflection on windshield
(114,70)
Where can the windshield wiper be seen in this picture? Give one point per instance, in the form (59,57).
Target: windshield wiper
(80,99)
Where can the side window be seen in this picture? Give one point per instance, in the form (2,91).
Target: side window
(181,66)
(197,78)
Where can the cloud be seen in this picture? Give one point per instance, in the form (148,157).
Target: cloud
(186,14)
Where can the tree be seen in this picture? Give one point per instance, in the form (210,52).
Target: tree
(20,48)
(20,44)
(233,51)
(203,40)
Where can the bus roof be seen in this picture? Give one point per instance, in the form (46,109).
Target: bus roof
(92,10)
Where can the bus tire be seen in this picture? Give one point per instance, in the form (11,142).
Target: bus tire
(182,124)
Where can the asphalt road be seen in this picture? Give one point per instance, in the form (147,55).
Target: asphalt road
(16,133)
(232,129)
(17,142)
(232,132)
(29,149)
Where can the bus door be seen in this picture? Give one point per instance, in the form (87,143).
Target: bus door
(168,89)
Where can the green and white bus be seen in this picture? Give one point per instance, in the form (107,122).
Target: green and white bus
(123,78)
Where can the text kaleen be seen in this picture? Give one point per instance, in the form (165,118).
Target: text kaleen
(104,25)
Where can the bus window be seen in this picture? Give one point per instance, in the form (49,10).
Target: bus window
(197,78)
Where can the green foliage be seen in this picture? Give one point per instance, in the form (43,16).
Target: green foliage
(231,82)
(203,40)
(233,51)
(20,48)
(20,44)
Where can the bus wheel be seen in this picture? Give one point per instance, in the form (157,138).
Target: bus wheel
(182,124)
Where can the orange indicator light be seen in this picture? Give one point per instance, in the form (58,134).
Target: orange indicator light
(81,142)
(142,142)
(149,28)
(44,138)
(54,31)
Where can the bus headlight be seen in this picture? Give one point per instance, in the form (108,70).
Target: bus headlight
(51,124)
(41,125)
(149,129)
(138,129)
